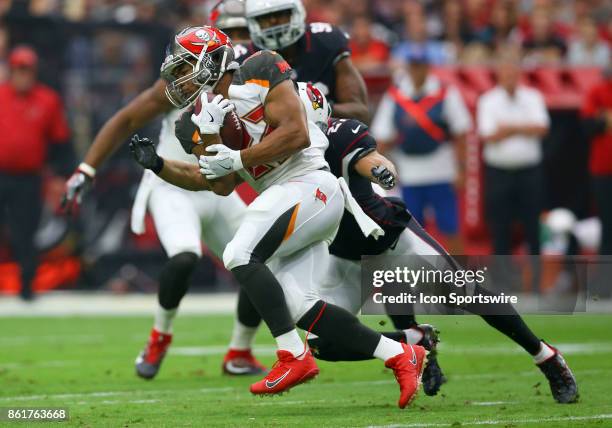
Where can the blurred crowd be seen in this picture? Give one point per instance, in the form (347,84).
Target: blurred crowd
(99,54)
(577,32)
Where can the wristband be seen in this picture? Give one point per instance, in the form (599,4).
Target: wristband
(159,165)
(87,169)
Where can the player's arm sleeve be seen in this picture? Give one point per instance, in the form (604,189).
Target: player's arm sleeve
(339,43)
(351,145)
(456,112)
(266,68)
(383,128)
(186,131)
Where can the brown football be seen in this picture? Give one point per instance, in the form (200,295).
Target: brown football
(233,133)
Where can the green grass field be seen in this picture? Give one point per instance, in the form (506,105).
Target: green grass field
(86,365)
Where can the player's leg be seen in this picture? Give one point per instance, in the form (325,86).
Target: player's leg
(341,286)
(178,228)
(270,221)
(221,217)
(300,274)
(300,254)
(508,322)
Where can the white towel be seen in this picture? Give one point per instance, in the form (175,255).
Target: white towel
(368,226)
(139,208)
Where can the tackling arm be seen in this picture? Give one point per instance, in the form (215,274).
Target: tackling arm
(378,169)
(141,110)
(351,93)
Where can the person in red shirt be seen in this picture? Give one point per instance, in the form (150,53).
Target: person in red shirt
(31,121)
(597,119)
(369,53)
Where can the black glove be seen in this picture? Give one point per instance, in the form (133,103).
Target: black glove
(77,185)
(143,152)
(384,177)
(185,130)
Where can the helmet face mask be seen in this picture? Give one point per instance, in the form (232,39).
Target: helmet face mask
(277,36)
(195,62)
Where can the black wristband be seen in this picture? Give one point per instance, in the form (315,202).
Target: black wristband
(159,165)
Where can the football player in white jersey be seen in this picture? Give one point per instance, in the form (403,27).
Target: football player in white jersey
(280,252)
(181,217)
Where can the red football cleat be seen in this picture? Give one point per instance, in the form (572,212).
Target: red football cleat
(242,362)
(286,373)
(149,360)
(408,368)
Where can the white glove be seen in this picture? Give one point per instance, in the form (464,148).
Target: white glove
(210,118)
(223,163)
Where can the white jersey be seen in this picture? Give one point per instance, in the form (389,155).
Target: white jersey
(248,91)
(169,146)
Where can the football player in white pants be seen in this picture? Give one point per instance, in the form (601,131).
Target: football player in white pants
(296,214)
(182,218)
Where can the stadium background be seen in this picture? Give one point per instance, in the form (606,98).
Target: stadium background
(100,54)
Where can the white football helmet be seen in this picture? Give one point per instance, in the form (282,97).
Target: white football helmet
(278,36)
(229,14)
(317,108)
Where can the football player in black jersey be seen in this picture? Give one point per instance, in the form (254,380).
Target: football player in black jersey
(318,53)
(352,154)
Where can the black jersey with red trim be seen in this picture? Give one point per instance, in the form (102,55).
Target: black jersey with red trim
(349,141)
(318,52)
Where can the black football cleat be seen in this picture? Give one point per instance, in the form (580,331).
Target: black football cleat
(561,379)
(433,378)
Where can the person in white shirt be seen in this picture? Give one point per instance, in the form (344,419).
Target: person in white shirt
(418,118)
(512,120)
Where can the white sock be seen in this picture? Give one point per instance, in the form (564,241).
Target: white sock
(291,342)
(413,335)
(163,319)
(387,348)
(545,353)
(242,336)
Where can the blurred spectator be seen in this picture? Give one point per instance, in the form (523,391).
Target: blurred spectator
(597,116)
(587,48)
(31,118)
(422,115)
(416,37)
(455,28)
(512,119)
(368,53)
(542,44)
(501,29)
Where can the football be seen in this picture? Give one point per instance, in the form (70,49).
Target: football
(233,133)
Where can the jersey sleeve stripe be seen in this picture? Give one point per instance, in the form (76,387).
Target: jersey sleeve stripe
(260,82)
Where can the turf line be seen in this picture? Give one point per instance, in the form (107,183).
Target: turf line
(498,421)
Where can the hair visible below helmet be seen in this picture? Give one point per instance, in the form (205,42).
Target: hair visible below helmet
(229,14)
(209,54)
(318,109)
(278,36)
